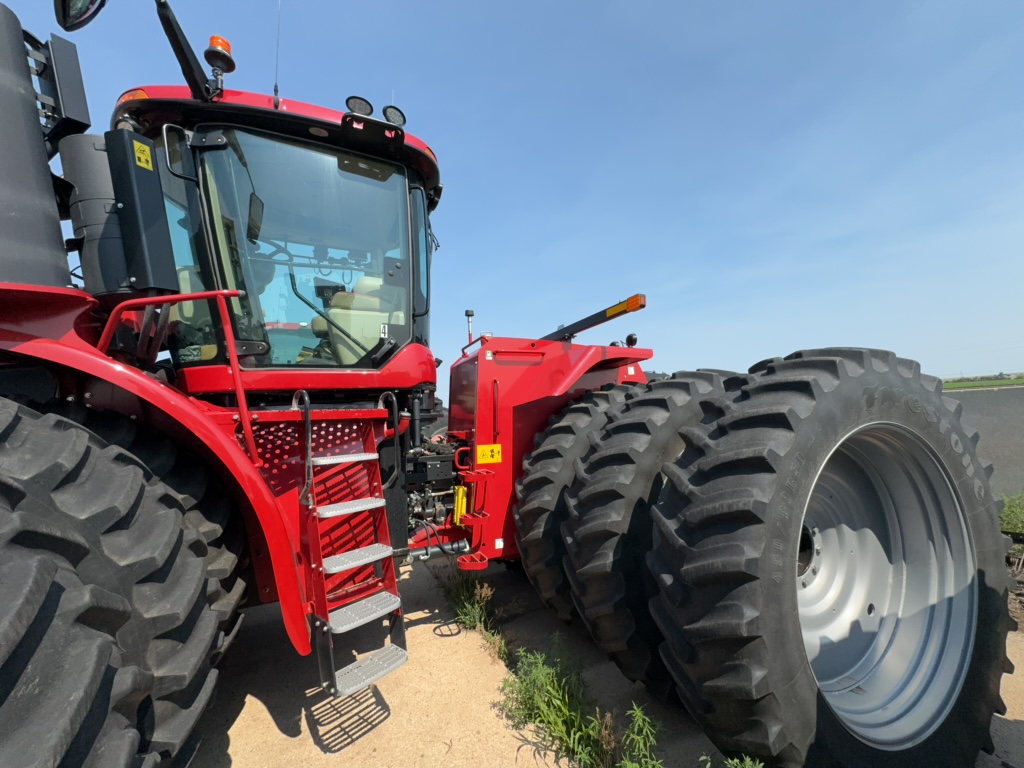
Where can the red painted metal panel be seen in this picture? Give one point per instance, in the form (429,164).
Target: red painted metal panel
(65,317)
(518,385)
(411,366)
(31,311)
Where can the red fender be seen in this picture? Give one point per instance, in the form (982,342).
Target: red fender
(66,310)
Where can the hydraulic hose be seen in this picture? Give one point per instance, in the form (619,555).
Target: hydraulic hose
(395,420)
(459,547)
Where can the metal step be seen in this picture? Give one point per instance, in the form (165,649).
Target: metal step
(368,669)
(349,560)
(354,615)
(348,507)
(349,458)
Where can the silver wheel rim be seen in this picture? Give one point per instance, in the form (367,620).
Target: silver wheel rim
(886,586)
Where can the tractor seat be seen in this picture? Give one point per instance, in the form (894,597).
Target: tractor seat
(364,313)
(344,300)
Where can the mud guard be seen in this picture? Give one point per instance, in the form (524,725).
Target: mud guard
(80,361)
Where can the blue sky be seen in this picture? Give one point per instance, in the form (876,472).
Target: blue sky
(773,175)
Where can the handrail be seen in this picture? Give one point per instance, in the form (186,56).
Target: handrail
(494,407)
(234,368)
(479,339)
(301,399)
(151,301)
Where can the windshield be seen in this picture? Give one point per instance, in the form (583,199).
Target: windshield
(319,241)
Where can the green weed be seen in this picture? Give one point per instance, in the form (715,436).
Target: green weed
(1012,518)
(547,691)
(496,644)
(639,740)
(731,762)
(470,598)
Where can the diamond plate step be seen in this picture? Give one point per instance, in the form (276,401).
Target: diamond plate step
(368,669)
(349,458)
(349,560)
(354,615)
(348,508)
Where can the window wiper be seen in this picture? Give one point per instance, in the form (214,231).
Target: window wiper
(384,350)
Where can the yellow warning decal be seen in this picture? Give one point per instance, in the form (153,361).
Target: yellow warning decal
(143,157)
(488,454)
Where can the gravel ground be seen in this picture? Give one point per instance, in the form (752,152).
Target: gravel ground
(439,709)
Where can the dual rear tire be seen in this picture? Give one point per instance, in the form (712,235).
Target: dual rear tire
(821,557)
(549,473)
(607,529)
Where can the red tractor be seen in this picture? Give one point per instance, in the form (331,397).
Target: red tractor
(234,400)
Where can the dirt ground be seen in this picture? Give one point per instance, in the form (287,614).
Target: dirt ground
(440,708)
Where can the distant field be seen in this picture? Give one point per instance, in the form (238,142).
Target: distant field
(1015,382)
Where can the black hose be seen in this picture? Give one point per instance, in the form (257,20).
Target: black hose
(301,399)
(437,538)
(414,426)
(395,421)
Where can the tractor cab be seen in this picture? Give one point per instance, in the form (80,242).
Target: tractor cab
(318,218)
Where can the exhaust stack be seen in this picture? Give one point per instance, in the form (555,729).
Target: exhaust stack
(32,249)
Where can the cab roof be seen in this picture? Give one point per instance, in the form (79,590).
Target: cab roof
(153,106)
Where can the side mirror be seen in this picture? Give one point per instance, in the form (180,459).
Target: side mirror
(75,14)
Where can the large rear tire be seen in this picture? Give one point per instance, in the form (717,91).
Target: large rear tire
(108,543)
(607,533)
(831,571)
(548,474)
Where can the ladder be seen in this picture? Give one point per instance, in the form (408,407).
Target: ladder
(345,538)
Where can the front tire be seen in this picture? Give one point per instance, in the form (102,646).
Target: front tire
(111,547)
(208,507)
(831,571)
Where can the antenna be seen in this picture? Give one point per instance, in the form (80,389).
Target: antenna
(277,59)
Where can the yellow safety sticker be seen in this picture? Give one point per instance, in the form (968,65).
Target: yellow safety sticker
(488,454)
(143,157)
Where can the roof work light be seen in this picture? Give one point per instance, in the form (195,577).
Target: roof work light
(359,106)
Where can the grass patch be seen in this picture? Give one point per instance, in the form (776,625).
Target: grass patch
(992,380)
(732,762)
(546,690)
(470,598)
(1011,519)
(948,385)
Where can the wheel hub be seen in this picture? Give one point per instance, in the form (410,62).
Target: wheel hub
(885,586)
